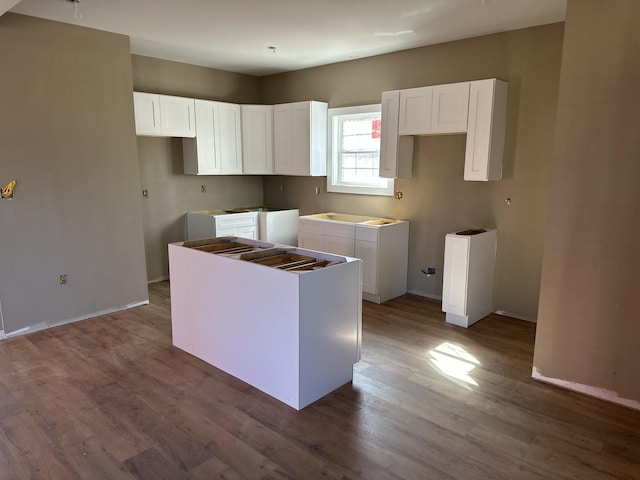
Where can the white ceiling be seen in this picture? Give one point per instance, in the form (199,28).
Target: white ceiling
(236,35)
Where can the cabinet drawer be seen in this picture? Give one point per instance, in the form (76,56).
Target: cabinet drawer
(235,220)
(367,234)
(313,227)
(343,230)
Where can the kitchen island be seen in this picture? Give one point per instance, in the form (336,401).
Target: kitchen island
(287,321)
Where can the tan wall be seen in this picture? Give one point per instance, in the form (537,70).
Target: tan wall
(67,136)
(588,323)
(436,200)
(171,193)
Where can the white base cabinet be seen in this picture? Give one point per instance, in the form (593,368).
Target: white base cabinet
(218,223)
(293,335)
(384,251)
(467,287)
(381,244)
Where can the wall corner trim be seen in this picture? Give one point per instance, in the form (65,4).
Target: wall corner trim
(589,390)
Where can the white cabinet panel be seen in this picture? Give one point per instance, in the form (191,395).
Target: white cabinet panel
(177,116)
(486,130)
(300,138)
(217,147)
(450,107)
(257,139)
(339,245)
(147,113)
(396,152)
(467,287)
(163,115)
(415,111)
(368,253)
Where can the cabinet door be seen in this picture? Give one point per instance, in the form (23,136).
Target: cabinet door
(282,146)
(177,116)
(257,139)
(199,154)
(486,130)
(228,137)
(368,253)
(396,152)
(300,139)
(248,232)
(311,241)
(147,113)
(415,111)
(339,245)
(450,107)
(455,275)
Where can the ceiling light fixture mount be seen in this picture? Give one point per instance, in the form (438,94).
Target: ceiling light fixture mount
(272,48)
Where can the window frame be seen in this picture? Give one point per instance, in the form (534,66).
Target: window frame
(333,183)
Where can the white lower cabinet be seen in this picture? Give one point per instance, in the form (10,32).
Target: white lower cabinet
(467,286)
(381,244)
(218,223)
(295,335)
(384,251)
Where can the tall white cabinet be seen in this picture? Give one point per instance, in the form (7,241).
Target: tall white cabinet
(467,286)
(486,130)
(396,151)
(300,138)
(217,147)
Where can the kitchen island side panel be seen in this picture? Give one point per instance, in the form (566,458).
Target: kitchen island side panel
(239,317)
(330,328)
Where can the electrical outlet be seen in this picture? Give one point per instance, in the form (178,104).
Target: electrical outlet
(429,271)
(203,188)
(145,193)
(63,279)
(317,190)
(282,188)
(399,195)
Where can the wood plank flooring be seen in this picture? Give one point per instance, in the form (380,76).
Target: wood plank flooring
(110,398)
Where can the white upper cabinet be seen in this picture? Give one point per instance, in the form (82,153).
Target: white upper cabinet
(147,113)
(415,111)
(300,138)
(486,130)
(449,108)
(257,139)
(396,152)
(217,147)
(163,115)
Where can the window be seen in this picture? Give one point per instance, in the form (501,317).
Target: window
(354,151)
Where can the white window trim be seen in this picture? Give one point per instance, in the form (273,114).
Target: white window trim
(332,166)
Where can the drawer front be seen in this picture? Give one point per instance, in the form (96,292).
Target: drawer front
(234,220)
(366,233)
(313,227)
(342,230)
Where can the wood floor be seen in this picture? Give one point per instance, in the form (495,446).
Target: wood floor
(110,398)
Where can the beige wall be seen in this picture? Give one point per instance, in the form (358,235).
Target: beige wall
(171,193)
(589,323)
(67,136)
(436,199)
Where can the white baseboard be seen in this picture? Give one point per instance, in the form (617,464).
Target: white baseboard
(426,295)
(589,390)
(158,279)
(43,325)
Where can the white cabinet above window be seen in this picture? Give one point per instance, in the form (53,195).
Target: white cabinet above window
(449,108)
(163,115)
